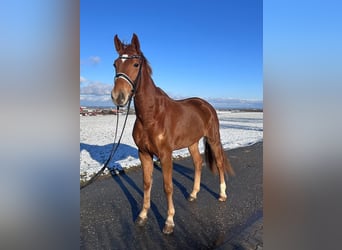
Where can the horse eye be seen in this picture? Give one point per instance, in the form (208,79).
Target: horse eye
(136,64)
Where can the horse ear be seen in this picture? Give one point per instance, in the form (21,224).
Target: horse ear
(135,43)
(118,44)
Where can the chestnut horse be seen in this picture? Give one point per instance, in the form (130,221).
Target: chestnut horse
(163,125)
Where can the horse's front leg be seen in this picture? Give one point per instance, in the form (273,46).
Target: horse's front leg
(166,162)
(147,168)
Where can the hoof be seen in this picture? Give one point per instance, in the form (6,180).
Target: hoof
(141,221)
(168,229)
(191,198)
(222,198)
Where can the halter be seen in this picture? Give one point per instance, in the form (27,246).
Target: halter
(122,75)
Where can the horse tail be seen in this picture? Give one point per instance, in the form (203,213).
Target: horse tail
(209,157)
(210,160)
(227,165)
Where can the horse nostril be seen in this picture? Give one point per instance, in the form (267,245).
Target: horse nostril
(121,98)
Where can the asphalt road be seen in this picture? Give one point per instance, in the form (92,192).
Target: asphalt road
(109,207)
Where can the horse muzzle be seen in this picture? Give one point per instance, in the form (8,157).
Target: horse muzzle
(120,99)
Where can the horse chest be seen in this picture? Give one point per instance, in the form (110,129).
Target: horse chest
(150,139)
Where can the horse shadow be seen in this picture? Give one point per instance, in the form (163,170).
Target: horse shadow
(132,191)
(188,174)
(125,183)
(101,153)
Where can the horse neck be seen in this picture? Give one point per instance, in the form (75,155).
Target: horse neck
(145,100)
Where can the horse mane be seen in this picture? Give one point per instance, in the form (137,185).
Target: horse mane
(146,64)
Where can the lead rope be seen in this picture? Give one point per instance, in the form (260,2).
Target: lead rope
(116,145)
(114,148)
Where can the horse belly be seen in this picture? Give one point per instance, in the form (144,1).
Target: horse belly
(184,141)
(186,135)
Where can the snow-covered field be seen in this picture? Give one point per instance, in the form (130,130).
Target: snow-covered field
(237,129)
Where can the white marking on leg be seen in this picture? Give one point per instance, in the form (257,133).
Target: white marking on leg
(223,189)
(143,214)
(169,221)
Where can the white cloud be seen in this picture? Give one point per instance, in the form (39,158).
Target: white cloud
(96,94)
(92,60)
(96,89)
(95,59)
(83,79)
(92,98)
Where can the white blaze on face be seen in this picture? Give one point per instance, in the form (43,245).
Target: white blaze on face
(124,57)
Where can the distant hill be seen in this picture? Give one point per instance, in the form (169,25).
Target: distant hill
(225,103)
(218,103)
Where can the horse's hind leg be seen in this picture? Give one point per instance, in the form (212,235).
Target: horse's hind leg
(147,167)
(218,152)
(197,160)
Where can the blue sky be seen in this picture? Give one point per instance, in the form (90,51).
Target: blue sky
(208,49)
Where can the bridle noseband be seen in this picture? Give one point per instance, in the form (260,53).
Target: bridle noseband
(125,77)
(122,75)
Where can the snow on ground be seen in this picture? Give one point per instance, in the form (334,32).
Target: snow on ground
(237,129)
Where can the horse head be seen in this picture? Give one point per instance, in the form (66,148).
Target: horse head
(128,69)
